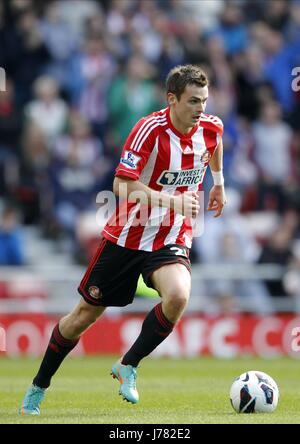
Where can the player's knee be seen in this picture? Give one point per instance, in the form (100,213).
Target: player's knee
(180,301)
(177,299)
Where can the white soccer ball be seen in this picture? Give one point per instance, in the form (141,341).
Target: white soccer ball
(254,392)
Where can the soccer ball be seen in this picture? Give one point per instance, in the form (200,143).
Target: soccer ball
(254,392)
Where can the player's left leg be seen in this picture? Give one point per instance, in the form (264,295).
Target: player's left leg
(173,282)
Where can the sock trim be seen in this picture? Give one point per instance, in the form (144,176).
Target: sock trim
(63,342)
(161,317)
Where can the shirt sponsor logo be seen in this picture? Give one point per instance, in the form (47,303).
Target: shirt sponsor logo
(130,160)
(181,178)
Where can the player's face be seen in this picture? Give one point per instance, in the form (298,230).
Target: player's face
(188,109)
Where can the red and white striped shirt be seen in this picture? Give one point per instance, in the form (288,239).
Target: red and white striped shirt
(159,156)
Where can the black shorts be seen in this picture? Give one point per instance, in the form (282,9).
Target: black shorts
(112,276)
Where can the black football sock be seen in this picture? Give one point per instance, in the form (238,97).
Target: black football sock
(155,329)
(56,352)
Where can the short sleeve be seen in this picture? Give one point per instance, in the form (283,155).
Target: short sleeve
(217,125)
(213,123)
(220,126)
(136,150)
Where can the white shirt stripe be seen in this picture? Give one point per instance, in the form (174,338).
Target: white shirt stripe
(124,233)
(152,228)
(173,234)
(149,167)
(140,143)
(144,128)
(199,148)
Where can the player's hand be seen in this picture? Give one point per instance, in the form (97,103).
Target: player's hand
(217,200)
(187,204)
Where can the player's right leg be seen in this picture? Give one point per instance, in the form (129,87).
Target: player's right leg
(64,338)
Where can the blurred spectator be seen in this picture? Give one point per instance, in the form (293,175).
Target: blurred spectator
(292,27)
(206,12)
(193,42)
(117,16)
(89,77)
(142,19)
(132,96)
(242,172)
(278,250)
(232,29)
(272,153)
(250,82)
(11,243)
(278,16)
(219,68)
(172,54)
(29,53)
(279,60)
(47,111)
(60,39)
(77,172)
(10,126)
(10,119)
(35,149)
(229,241)
(76,12)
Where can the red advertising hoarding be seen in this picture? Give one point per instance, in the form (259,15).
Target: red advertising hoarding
(196,335)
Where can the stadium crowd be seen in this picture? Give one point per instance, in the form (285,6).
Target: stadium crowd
(81,73)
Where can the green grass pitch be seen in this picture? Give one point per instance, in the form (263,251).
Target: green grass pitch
(172,391)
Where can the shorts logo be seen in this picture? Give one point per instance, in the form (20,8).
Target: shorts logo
(130,160)
(94,292)
(206,156)
(181,178)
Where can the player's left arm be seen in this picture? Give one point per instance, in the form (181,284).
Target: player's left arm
(217,197)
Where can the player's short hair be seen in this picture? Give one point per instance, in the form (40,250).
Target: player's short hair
(183,75)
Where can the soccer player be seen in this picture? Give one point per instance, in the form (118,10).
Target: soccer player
(161,169)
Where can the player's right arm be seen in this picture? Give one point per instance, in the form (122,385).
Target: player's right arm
(186,203)
(135,155)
